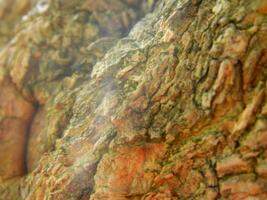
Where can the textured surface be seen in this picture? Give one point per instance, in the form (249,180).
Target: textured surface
(97,102)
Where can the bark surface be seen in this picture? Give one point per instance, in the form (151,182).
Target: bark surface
(133,99)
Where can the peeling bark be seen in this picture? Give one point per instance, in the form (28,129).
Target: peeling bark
(134,99)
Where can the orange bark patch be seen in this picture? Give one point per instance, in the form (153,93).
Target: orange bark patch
(233,164)
(125,171)
(17,114)
(262,7)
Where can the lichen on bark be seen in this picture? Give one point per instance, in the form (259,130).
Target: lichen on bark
(133,99)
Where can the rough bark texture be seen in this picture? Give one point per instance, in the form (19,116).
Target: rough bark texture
(133,99)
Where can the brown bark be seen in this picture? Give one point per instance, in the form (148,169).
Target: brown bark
(174,107)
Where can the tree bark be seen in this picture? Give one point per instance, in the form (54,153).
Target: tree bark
(134,99)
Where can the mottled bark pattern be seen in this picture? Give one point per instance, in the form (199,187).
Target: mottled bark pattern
(173,107)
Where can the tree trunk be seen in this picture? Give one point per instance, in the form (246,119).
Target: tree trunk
(133,99)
